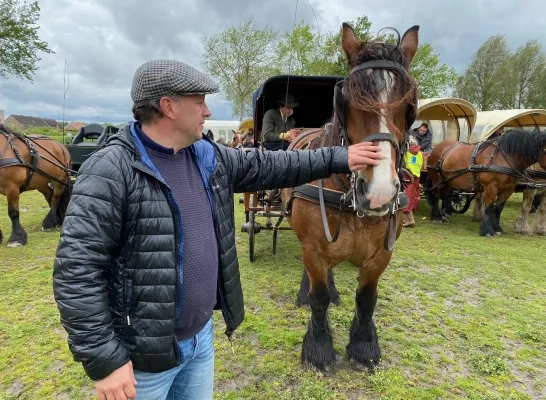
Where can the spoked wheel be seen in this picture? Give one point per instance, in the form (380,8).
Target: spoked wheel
(251,220)
(460,203)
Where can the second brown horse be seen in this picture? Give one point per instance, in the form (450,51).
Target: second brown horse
(492,167)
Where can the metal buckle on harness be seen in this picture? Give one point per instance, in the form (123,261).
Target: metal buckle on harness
(396,204)
(352,204)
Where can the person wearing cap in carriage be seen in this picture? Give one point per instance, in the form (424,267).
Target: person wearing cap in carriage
(278,124)
(423,135)
(147,249)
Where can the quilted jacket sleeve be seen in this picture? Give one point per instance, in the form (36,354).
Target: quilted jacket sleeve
(84,258)
(256,170)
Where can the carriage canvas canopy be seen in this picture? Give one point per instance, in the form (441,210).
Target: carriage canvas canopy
(487,122)
(450,117)
(246,124)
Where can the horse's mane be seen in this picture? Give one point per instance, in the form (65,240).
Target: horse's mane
(526,144)
(4,129)
(362,90)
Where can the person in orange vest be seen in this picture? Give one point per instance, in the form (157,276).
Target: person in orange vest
(413,159)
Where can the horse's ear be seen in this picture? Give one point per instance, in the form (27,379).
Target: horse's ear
(233,132)
(349,42)
(410,42)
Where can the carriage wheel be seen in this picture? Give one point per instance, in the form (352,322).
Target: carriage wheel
(460,203)
(251,215)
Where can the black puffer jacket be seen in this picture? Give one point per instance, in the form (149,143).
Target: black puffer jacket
(116,266)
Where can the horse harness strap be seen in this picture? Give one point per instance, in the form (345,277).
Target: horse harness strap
(32,166)
(475,168)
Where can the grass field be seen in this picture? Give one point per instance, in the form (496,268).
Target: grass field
(458,317)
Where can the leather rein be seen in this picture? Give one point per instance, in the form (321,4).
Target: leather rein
(34,157)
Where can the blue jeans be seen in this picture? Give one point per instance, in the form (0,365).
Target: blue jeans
(193,379)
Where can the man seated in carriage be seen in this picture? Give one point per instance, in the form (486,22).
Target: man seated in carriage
(278,124)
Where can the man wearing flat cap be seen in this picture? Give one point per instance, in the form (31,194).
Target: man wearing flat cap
(278,124)
(147,248)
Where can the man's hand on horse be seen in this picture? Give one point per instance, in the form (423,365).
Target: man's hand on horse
(362,155)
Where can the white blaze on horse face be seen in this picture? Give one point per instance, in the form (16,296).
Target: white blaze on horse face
(382,188)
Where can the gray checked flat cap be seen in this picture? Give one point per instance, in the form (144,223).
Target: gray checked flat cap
(158,78)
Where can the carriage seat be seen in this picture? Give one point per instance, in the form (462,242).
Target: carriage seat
(107,132)
(91,131)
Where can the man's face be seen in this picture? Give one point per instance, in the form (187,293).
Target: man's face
(190,113)
(286,111)
(422,130)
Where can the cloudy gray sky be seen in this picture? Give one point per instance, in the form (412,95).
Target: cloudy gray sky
(104,41)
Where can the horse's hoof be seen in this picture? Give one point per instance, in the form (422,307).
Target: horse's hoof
(364,367)
(325,369)
(15,244)
(498,233)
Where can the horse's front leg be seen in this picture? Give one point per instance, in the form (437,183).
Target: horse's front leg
(433,197)
(317,349)
(363,351)
(18,235)
(489,197)
(540,217)
(302,298)
(446,204)
(499,206)
(521,225)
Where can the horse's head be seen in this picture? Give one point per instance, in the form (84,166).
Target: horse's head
(377,102)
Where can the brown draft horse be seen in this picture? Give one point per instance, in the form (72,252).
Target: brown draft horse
(375,102)
(33,163)
(492,167)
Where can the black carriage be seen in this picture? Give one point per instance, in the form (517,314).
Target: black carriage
(315,95)
(88,140)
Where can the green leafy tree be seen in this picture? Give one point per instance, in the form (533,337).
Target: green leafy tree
(482,82)
(523,64)
(536,97)
(241,58)
(434,79)
(19,41)
(313,54)
(298,52)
